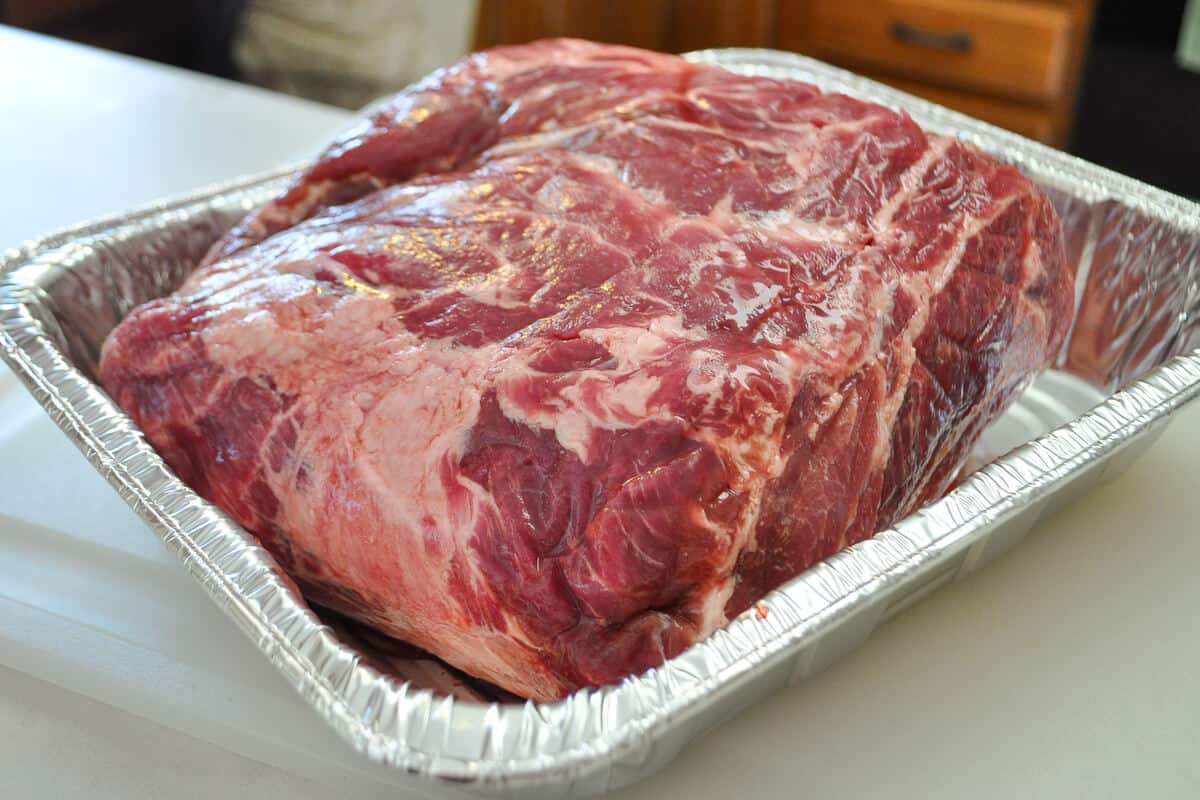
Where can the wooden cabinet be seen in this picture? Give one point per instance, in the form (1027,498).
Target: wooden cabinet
(672,26)
(1012,49)
(642,24)
(1015,63)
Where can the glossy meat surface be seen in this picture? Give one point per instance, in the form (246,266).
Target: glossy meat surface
(574,351)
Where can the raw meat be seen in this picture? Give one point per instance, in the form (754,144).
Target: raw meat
(572,352)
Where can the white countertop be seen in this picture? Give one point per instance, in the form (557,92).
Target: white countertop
(1068,669)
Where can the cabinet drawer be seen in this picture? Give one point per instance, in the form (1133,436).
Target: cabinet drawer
(1005,47)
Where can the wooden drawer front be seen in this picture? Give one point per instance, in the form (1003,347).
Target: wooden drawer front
(1006,47)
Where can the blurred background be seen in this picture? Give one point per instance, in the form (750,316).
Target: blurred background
(1113,81)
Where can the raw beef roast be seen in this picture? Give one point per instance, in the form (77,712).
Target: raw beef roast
(573,351)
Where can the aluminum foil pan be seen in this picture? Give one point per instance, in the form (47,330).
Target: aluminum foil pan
(1138,251)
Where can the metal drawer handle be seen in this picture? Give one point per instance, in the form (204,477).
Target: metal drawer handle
(958,42)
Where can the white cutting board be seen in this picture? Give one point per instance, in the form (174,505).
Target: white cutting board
(92,601)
